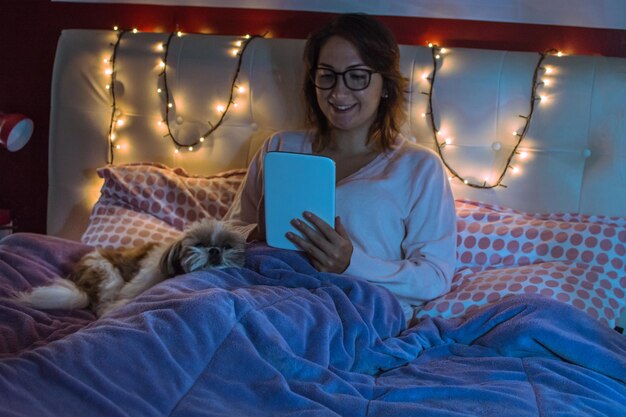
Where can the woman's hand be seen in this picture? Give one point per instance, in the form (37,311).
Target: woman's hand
(329,249)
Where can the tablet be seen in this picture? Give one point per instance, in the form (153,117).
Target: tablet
(295,183)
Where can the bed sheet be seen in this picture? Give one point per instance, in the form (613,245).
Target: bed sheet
(278,338)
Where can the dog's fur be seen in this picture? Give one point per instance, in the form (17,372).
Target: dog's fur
(109,278)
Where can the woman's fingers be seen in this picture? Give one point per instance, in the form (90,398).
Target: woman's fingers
(329,249)
(312,236)
(324,228)
(310,249)
(339,228)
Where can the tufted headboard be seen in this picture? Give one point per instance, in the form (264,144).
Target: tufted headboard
(575,144)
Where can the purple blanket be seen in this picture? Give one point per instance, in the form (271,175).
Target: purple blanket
(277,338)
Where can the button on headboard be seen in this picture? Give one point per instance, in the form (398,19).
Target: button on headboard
(575,146)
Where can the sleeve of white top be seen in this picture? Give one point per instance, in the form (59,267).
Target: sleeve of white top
(429,244)
(243,213)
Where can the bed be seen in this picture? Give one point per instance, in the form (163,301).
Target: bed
(153,131)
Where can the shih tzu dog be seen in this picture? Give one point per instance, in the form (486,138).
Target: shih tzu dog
(109,278)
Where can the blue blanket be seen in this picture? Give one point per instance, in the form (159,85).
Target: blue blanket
(278,338)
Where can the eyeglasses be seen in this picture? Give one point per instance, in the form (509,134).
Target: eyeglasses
(355,79)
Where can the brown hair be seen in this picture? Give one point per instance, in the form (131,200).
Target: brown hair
(379,50)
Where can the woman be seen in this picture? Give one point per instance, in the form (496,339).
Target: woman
(396,220)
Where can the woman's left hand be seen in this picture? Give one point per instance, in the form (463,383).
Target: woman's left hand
(329,249)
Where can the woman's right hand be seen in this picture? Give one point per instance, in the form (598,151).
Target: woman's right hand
(329,249)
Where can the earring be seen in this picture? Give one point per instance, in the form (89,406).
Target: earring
(385,94)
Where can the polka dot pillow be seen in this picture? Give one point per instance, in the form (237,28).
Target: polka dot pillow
(576,259)
(149,201)
(113,226)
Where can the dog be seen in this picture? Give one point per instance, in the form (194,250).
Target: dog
(106,279)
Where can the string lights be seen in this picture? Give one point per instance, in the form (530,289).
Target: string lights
(163,89)
(221,108)
(440,138)
(440,144)
(115,113)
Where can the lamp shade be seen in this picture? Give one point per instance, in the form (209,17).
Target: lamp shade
(15,131)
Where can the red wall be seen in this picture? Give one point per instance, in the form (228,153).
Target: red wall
(31,28)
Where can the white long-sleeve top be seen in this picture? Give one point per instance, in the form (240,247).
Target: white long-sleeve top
(398,210)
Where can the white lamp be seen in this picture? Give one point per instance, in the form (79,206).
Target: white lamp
(15,131)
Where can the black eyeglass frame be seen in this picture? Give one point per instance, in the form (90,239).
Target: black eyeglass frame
(343,76)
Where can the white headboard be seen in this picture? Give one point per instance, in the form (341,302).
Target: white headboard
(576,142)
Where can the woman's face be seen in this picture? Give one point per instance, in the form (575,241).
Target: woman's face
(346,109)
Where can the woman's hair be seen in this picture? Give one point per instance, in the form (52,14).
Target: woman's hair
(379,50)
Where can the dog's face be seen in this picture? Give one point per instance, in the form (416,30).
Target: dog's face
(206,244)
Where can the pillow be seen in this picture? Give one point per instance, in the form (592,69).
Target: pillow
(142,202)
(577,259)
(112,226)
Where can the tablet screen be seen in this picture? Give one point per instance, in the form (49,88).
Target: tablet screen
(295,183)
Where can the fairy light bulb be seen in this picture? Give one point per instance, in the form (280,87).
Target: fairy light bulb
(549,70)
(116,28)
(523,155)
(159,90)
(559,54)
(162,64)
(238,44)
(135,30)
(170,105)
(515,169)
(201,138)
(443,50)
(108,71)
(234,52)
(179,33)
(120,122)
(543,98)
(241,89)
(190,148)
(112,137)
(430,44)
(220,108)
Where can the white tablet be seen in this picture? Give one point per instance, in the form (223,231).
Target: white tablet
(295,183)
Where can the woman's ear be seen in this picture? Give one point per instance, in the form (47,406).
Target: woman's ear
(170,260)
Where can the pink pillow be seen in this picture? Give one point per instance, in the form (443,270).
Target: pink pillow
(112,226)
(490,236)
(576,259)
(160,200)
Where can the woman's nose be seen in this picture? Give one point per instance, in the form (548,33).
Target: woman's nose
(340,86)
